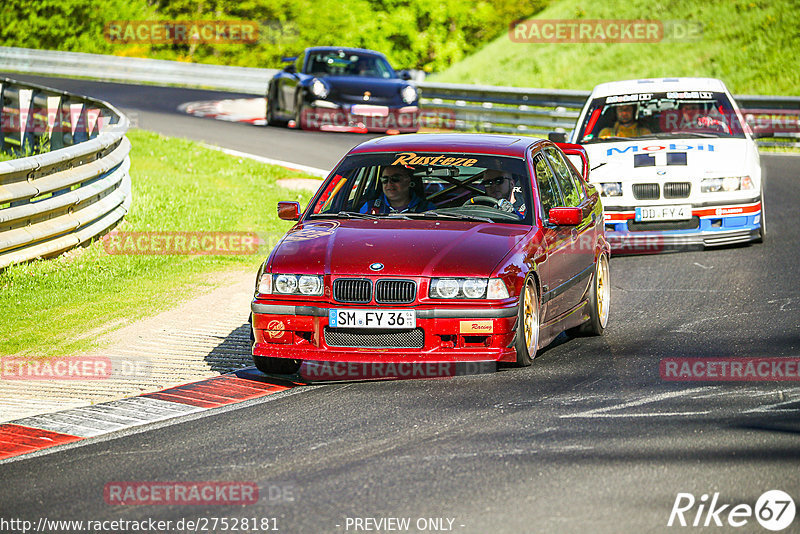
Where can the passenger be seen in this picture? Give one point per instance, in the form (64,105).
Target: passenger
(694,117)
(626,125)
(398,195)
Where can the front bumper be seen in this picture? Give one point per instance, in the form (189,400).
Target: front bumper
(302,332)
(710,226)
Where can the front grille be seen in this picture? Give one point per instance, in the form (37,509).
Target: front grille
(375,339)
(395,291)
(645,191)
(352,290)
(677,189)
(689,224)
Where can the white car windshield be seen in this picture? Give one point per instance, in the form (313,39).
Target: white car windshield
(660,115)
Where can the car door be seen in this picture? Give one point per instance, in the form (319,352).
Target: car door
(551,271)
(578,246)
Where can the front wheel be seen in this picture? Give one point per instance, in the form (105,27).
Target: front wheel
(599,301)
(528,324)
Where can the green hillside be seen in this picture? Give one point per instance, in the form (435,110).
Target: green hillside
(753,46)
(424,34)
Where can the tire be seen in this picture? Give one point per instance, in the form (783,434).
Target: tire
(599,301)
(298,114)
(762,229)
(276,366)
(270,115)
(527,338)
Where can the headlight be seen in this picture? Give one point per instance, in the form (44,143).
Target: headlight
(409,94)
(290,284)
(310,285)
(610,189)
(318,88)
(727,184)
(285,283)
(467,288)
(444,288)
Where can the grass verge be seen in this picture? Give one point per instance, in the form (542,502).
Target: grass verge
(59,306)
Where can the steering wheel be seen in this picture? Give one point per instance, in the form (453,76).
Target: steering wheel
(483,200)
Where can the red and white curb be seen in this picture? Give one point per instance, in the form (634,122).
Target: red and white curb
(30,434)
(248,110)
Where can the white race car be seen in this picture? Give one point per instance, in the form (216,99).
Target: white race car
(675,163)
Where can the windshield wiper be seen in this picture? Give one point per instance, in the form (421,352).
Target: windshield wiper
(438,215)
(355,215)
(688,134)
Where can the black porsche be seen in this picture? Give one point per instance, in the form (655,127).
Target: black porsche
(342,89)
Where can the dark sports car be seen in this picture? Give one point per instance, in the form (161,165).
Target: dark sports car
(436,248)
(342,89)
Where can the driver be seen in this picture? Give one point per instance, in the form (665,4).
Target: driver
(626,125)
(500,185)
(397,196)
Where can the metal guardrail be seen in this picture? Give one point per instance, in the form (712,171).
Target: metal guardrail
(131,69)
(79,188)
(468,107)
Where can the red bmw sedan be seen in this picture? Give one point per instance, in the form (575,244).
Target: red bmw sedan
(436,248)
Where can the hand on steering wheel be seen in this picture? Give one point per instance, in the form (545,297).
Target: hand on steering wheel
(483,200)
(498,203)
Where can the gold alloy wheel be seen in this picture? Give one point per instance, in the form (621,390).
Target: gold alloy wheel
(602,290)
(531,319)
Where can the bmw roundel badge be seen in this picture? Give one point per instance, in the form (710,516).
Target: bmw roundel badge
(376,266)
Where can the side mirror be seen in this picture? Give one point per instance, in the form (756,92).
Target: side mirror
(404,75)
(289,211)
(557,137)
(289,68)
(565,216)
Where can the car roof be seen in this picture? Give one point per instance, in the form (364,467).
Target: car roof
(344,49)
(506,145)
(658,85)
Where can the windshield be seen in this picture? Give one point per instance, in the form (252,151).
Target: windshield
(427,185)
(660,115)
(341,63)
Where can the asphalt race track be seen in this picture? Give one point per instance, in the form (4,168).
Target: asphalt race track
(155,108)
(588,439)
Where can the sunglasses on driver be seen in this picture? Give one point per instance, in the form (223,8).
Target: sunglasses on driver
(494,181)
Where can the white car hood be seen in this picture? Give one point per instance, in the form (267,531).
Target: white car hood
(663,159)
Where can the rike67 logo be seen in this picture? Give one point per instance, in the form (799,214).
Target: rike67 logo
(774,510)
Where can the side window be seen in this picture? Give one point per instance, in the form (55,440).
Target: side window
(548,192)
(567,182)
